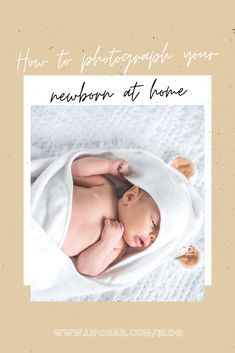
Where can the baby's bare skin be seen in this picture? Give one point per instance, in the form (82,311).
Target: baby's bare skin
(95,234)
(91,206)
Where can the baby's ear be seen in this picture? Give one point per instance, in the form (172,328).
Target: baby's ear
(183,165)
(191,257)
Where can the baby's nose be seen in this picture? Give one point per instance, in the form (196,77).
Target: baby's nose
(152,236)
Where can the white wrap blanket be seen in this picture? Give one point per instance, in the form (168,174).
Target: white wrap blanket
(52,274)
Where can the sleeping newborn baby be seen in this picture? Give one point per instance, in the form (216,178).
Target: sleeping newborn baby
(103,227)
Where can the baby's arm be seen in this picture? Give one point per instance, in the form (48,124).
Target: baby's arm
(88,166)
(88,169)
(100,255)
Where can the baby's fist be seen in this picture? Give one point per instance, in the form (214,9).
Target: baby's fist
(112,232)
(118,167)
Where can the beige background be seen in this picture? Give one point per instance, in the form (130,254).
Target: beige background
(133,27)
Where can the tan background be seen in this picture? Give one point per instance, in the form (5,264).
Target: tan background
(133,27)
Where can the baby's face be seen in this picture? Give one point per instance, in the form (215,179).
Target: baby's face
(141,219)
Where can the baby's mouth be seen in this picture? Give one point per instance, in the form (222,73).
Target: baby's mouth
(139,242)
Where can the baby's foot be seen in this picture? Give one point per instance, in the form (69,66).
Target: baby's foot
(185,166)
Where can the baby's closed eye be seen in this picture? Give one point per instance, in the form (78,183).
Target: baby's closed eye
(155,224)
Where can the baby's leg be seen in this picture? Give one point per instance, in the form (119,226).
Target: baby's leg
(184,166)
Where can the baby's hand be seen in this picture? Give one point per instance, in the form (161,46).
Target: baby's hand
(112,232)
(118,167)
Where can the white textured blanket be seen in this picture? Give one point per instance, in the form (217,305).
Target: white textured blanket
(166,131)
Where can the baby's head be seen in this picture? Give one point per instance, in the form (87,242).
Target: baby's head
(140,215)
(171,205)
